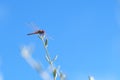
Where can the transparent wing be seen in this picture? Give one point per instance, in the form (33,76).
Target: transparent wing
(33,26)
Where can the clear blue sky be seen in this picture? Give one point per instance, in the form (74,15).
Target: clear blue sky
(86,37)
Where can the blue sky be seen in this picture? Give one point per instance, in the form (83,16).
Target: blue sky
(86,36)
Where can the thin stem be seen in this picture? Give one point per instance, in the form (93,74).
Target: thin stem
(47,54)
(46,49)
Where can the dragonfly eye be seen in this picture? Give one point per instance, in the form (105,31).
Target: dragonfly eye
(43,31)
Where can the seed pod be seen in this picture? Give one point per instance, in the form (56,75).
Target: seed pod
(55,73)
(46,42)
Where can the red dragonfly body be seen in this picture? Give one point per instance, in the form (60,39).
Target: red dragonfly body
(41,32)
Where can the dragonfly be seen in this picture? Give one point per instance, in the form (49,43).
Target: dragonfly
(41,32)
(38,31)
